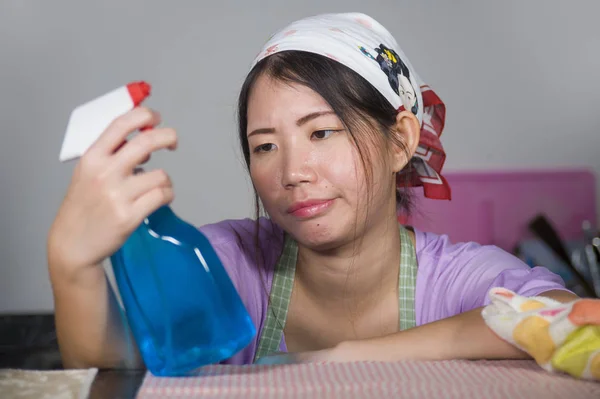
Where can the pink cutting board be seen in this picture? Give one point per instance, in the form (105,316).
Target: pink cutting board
(495,207)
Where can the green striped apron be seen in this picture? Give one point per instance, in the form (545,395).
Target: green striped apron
(283,282)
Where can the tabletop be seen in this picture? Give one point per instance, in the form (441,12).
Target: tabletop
(116,384)
(455,379)
(504,379)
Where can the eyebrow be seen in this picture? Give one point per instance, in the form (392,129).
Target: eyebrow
(311,116)
(305,119)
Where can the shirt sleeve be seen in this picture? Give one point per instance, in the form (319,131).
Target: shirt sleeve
(455,278)
(493,267)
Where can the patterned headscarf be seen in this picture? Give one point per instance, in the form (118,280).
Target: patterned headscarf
(365,46)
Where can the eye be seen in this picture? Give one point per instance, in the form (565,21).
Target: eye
(264,148)
(323,134)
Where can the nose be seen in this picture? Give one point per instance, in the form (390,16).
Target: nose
(298,169)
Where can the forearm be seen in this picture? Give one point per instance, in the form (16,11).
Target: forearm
(464,336)
(89,328)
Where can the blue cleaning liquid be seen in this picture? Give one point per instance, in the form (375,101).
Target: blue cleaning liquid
(182,307)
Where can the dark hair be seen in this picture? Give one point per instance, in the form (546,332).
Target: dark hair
(362,109)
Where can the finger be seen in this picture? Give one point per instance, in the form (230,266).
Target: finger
(145,160)
(142,183)
(151,201)
(116,133)
(145,128)
(138,149)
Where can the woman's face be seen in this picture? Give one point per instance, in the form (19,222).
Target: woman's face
(306,170)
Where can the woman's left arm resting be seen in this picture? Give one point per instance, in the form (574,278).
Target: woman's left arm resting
(464,336)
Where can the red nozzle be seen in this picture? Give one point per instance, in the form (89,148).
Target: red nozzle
(138,91)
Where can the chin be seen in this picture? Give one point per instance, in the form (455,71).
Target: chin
(320,233)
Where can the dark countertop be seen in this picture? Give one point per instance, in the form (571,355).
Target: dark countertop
(29,342)
(121,384)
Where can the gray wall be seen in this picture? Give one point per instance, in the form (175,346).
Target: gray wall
(515,75)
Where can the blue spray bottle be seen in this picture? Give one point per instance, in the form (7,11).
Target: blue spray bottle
(182,307)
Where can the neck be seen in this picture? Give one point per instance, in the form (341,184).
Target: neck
(355,276)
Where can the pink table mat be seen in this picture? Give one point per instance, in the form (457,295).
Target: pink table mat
(409,379)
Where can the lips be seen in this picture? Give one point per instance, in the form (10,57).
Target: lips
(310,208)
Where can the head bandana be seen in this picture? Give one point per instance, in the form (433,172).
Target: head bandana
(365,46)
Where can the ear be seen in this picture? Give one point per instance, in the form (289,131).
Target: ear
(407,131)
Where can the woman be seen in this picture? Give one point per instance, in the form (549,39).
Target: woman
(335,125)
